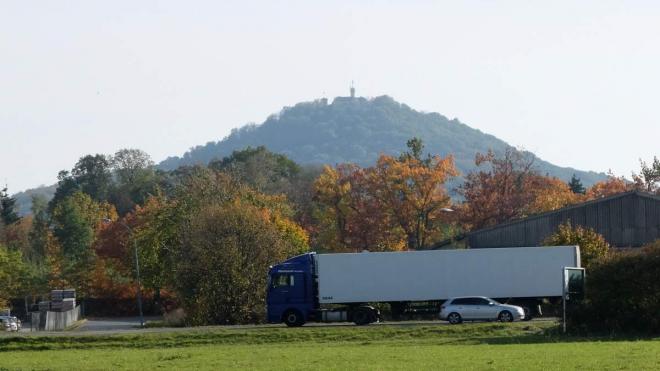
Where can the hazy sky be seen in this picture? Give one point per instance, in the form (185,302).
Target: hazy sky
(577,82)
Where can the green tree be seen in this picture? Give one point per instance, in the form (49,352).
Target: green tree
(576,185)
(12,275)
(75,221)
(8,213)
(40,230)
(593,246)
(136,177)
(263,170)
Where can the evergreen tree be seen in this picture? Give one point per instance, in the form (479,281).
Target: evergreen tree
(576,185)
(8,208)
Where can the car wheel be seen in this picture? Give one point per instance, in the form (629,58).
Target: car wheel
(505,316)
(454,318)
(293,318)
(528,314)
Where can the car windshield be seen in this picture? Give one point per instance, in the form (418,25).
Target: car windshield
(494,301)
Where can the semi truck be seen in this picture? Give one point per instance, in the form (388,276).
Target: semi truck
(346,286)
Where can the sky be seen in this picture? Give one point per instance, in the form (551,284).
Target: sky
(576,82)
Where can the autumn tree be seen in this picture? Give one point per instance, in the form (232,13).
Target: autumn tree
(394,204)
(548,194)
(349,217)
(609,187)
(411,189)
(507,187)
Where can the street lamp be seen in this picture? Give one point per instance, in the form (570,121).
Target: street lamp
(137,267)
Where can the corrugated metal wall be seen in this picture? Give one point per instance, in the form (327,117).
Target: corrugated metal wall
(627,220)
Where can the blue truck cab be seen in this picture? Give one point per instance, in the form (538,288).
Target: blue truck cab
(291,292)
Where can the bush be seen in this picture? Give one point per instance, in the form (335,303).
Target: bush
(221,274)
(622,294)
(592,245)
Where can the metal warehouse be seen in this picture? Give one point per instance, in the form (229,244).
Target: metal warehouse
(629,219)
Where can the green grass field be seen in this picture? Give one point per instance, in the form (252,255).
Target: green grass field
(519,346)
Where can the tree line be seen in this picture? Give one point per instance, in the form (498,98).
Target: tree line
(205,235)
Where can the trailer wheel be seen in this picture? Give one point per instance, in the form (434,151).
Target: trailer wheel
(505,316)
(293,318)
(454,318)
(362,316)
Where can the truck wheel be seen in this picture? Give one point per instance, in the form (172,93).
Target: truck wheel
(454,318)
(505,316)
(293,318)
(362,317)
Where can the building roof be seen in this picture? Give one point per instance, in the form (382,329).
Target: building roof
(625,222)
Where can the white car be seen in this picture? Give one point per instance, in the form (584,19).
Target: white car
(475,308)
(9,324)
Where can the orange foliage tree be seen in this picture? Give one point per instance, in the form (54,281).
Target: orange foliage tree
(508,187)
(396,204)
(609,187)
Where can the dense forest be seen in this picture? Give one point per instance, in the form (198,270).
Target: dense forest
(358,130)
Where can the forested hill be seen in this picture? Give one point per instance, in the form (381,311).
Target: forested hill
(357,130)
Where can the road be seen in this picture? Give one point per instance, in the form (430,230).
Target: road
(127,325)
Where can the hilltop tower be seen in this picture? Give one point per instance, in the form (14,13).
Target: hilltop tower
(352,90)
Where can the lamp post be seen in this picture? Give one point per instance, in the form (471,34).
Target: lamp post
(137,268)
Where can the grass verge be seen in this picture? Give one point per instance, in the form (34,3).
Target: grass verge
(534,345)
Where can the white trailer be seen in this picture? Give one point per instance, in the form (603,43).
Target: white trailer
(341,287)
(517,272)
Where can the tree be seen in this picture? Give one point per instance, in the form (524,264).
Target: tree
(576,185)
(263,170)
(509,187)
(412,191)
(499,191)
(373,208)
(8,213)
(136,180)
(212,221)
(648,179)
(613,185)
(12,275)
(92,173)
(130,165)
(593,246)
(76,220)
(349,217)
(40,230)
(548,194)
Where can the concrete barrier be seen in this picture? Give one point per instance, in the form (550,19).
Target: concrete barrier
(58,321)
